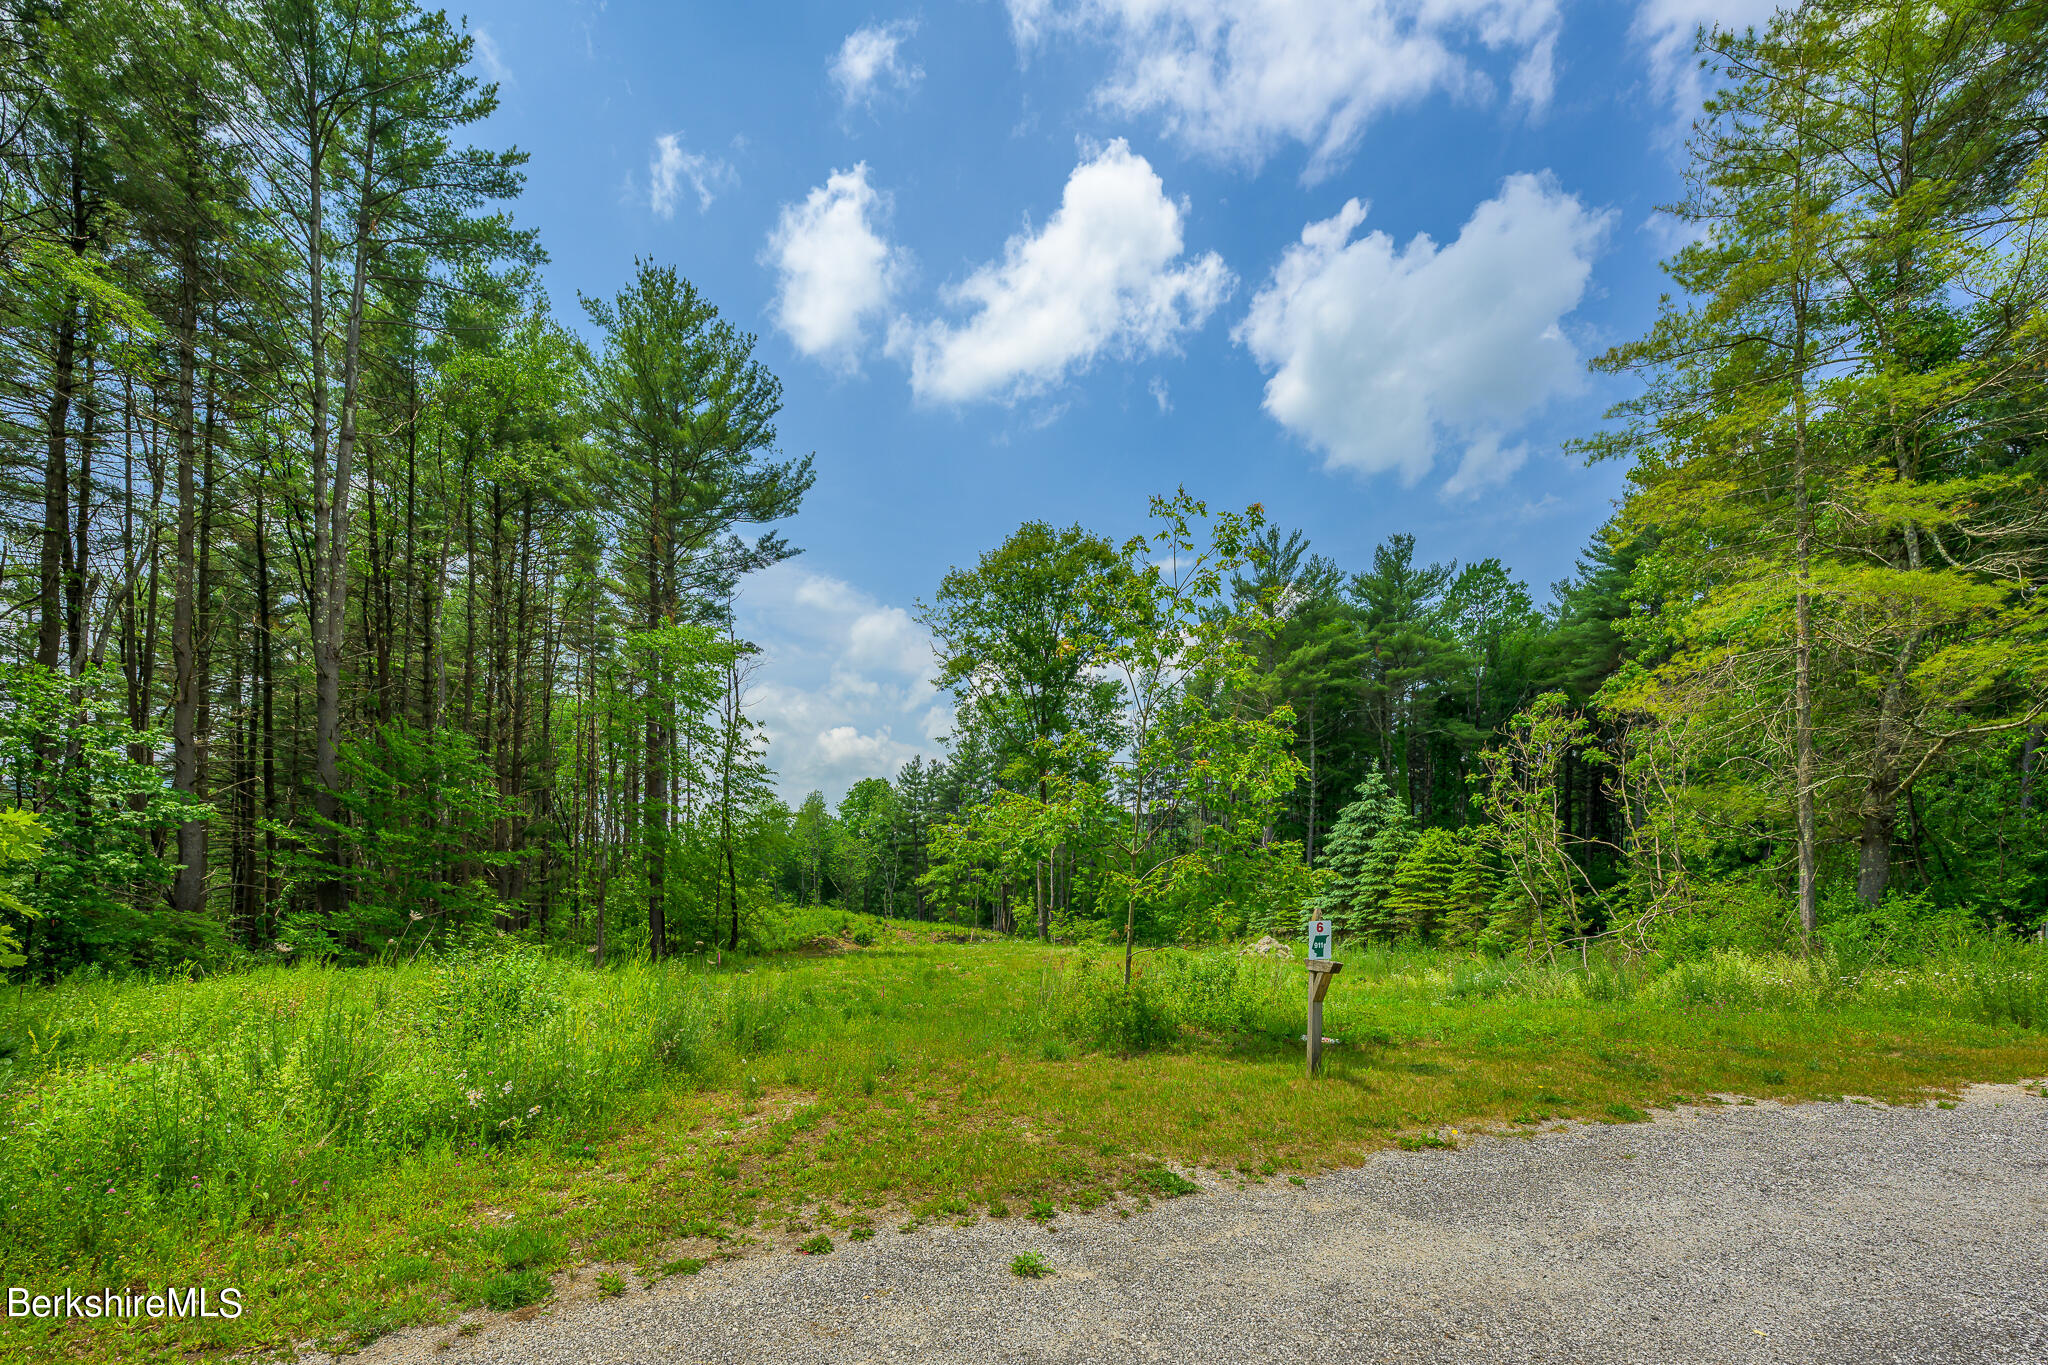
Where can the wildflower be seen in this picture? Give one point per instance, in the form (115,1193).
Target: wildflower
(507,1090)
(531,1112)
(415,917)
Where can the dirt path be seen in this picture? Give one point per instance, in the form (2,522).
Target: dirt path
(1815,1233)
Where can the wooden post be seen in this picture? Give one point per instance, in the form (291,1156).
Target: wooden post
(1319,974)
(1315,1025)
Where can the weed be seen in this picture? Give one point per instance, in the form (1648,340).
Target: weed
(1042,1211)
(518,1248)
(1167,1184)
(1618,1112)
(1297,1180)
(610,1286)
(688,1265)
(861,1233)
(510,1289)
(1424,1141)
(998,1209)
(815,1246)
(1030,1265)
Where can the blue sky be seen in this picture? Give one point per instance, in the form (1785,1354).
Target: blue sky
(1021,259)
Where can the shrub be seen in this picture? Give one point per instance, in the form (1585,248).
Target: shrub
(489,987)
(1100,1009)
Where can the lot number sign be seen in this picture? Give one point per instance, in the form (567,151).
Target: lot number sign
(1319,935)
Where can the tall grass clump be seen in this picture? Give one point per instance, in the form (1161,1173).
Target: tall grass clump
(130,1113)
(1172,993)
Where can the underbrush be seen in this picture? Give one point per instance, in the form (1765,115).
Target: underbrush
(131,1113)
(1177,994)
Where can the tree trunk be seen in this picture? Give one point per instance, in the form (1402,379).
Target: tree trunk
(2030,760)
(56,524)
(188,890)
(654,819)
(1802,685)
(78,547)
(1041,887)
(267,701)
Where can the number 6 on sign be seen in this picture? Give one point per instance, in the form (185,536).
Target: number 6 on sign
(1319,934)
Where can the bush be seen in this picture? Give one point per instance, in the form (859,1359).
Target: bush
(1903,928)
(1099,1009)
(490,987)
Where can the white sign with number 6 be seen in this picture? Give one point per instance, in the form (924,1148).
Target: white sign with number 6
(1320,933)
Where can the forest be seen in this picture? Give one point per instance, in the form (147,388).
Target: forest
(360,597)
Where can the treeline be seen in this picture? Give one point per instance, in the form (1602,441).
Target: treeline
(349,596)
(352,599)
(1797,686)
(1318,695)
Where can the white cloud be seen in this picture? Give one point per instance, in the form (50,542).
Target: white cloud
(1106,272)
(1665,29)
(1234,79)
(671,165)
(836,271)
(489,57)
(871,59)
(1161,395)
(1378,352)
(845,687)
(1486,462)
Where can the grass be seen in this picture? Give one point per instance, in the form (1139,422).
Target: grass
(360,1151)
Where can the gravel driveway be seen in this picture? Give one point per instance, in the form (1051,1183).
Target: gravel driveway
(1810,1233)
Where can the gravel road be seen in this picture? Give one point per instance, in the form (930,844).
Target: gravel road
(1809,1233)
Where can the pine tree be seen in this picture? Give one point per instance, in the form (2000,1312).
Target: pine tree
(1364,850)
(1474,885)
(1423,896)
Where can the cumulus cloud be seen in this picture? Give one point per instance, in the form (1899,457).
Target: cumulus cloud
(672,165)
(1664,29)
(1233,79)
(845,686)
(1106,272)
(836,272)
(1379,352)
(871,61)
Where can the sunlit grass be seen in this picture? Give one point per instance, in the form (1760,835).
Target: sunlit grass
(345,1149)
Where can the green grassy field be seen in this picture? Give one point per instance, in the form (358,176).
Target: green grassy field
(367,1149)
